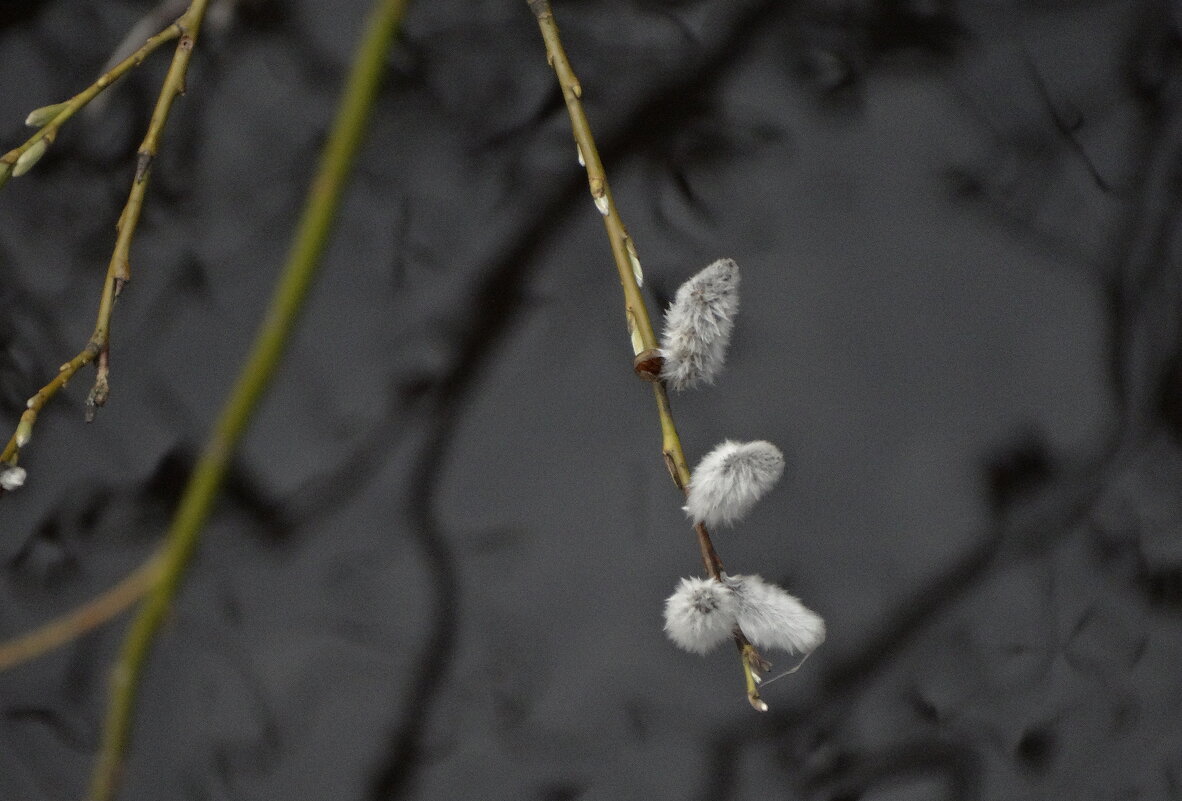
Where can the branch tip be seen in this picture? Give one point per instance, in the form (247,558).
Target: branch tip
(97,398)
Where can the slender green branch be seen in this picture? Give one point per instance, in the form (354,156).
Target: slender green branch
(647,361)
(118,270)
(84,618)
(310,240)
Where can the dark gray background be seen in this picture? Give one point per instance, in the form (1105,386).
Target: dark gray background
(438,566)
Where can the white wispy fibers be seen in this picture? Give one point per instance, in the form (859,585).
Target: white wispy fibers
(730,479)
(12,477)
(700,614)
(772,618)
(698,326)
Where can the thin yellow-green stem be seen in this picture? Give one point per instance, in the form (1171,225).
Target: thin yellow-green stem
(670,442)
(84,618)
(308,246)
(69,108)
(118,269)
(639,325)
(640,328)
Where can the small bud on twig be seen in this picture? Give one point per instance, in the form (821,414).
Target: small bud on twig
(30,157)
(97,397)
(700,614)
(698,325)
(730,479)
(40,116)
(772,618)
(24,432)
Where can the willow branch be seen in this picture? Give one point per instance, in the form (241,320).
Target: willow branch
(118,270)
(309,243)
(61,112)
(79,621)
(647,356)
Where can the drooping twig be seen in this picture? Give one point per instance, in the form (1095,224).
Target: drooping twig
(186,29)
(197,499)
(647,358)
(55,116)
(86,617)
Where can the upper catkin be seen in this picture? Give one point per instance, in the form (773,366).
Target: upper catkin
(700,614)
(698,326)
(771,618)
(730,479)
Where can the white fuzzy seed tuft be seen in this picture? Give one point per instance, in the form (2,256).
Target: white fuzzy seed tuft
(771,618)
(12,477)
(698,326)
(700,614)
(730,479)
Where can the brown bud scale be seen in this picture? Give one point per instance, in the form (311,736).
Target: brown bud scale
(648,364)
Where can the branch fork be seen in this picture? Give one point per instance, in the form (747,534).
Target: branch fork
(19,160)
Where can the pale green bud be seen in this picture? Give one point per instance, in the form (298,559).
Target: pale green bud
(30,157)
(24,433)
(40,116)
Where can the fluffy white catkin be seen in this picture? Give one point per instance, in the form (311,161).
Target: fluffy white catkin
(700,614)
(771,618)
(12,477)
(698,326)
(730,479)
